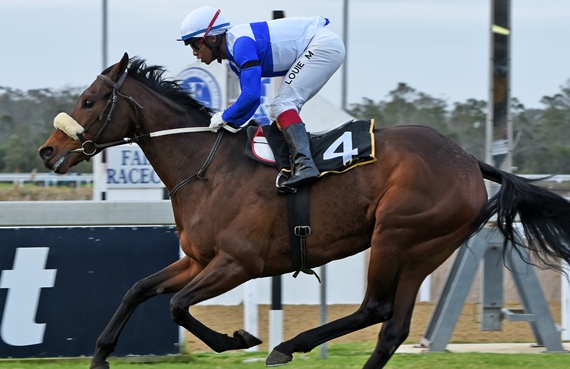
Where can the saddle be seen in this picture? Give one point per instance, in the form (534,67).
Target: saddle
(335,151)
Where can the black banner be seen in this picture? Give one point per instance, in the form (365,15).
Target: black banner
(60,286)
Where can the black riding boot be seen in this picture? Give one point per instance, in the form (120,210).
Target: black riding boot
(277,143)
(304,168)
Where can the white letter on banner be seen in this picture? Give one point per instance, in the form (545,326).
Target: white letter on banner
(24,283)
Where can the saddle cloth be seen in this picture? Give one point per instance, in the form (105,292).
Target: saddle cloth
(334,151)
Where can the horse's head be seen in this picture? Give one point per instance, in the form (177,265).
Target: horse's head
(90,126)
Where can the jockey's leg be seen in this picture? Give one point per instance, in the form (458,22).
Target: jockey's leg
(304,168)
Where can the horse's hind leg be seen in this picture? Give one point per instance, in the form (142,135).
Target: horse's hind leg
(168,280)
(395,331)
(377,307)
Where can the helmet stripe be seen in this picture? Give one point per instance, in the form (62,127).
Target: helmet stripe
(195,34)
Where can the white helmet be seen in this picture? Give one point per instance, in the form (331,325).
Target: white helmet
(202,22)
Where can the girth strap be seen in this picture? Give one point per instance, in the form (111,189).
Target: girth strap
(300,229)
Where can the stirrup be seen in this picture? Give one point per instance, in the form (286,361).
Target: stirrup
(281,189)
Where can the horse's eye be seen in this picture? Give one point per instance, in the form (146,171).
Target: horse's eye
(88,104)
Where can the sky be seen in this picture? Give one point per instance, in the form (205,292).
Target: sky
(438,47)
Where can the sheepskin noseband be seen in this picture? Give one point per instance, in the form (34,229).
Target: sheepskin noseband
(68,125)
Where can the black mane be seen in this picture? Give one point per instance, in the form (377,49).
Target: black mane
(152,77)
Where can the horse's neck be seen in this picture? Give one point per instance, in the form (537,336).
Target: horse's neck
(175,157)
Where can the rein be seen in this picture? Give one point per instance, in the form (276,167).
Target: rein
(90,147)
(199,174)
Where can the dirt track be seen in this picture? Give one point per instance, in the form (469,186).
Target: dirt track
(226,319)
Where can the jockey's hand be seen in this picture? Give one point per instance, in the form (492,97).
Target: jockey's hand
(216,122)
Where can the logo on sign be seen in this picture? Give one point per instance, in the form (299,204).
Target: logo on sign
(202,86)
(24,283)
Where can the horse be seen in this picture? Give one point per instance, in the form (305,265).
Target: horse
(413,207)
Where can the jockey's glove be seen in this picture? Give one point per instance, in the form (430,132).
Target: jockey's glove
(216,122)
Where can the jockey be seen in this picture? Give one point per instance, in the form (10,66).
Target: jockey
(300,49)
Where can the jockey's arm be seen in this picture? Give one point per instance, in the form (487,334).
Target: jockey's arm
(250,97)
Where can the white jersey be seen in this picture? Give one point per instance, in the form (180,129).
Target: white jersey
(300,49)
(277,44)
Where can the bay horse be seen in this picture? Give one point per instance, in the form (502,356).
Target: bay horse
(413,207)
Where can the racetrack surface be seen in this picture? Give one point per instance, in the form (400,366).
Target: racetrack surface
(226,319)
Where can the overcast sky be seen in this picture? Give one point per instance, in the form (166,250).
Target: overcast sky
(440,47)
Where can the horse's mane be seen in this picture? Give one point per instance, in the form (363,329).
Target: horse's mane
(152,77)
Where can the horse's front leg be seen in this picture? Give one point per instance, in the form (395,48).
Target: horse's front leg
(169,280)
(221,275)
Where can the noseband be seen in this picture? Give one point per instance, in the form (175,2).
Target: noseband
(90,147)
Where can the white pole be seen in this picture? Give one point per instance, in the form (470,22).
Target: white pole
(250,315)
(425,290)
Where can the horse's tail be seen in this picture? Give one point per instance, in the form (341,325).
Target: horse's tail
(544,216)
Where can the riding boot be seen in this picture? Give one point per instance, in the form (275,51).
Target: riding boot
(304,168)
(278,146)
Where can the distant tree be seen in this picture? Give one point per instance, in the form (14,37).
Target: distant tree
(553,133)
(406,106)
(368,109)
(26,120)
(467,125)
(16,155)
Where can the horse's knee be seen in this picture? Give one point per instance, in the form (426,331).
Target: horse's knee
(136,295)
(178,311)
(377,312)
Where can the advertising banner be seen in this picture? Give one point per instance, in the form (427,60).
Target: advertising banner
(59,287)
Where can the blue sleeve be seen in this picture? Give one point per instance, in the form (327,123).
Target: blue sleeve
(246,57)
(249,99)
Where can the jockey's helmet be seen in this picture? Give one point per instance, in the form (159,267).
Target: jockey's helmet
(203,22)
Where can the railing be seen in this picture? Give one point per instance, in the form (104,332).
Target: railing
(48,179)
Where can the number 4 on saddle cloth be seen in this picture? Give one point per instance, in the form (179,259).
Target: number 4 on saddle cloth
(335,151)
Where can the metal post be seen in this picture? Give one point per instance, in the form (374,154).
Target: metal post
(499,124)
(104,36)
(344,64)
(275,314)
(98,161)
(324,347)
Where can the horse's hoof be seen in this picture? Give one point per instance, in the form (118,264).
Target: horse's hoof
(277,358)
(248,339)
(103,365)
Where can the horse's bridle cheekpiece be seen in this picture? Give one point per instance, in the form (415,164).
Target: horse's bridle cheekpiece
(91,147)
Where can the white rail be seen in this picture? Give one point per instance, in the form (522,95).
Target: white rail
(47,179)
(84,213)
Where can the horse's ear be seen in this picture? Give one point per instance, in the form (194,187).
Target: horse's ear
(119,68)
(124,61)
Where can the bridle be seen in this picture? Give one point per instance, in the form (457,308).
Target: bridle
(90,147)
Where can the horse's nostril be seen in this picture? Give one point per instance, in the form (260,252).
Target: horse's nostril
(46,152)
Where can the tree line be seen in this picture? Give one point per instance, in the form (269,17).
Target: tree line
(541,136)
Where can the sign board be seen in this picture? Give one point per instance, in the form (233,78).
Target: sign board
(60,286)
(204,86)
(128,167)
